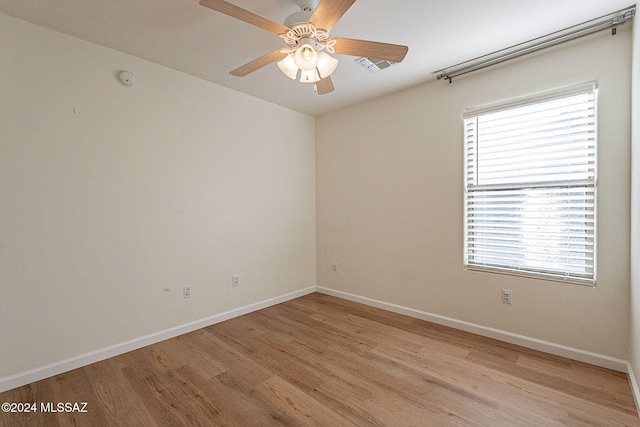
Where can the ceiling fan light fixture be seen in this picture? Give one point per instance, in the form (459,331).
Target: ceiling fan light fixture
(306,56)
(310,76)
(326,64)
(288,66)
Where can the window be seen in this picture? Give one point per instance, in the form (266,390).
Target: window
(530,186)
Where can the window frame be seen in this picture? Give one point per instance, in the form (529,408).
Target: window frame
(592,184)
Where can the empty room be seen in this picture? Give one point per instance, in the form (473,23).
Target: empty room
(319,212)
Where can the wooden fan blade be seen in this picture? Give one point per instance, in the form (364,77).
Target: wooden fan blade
(324,86)
(244,15)
(328,12)
(256,64)
(376,50)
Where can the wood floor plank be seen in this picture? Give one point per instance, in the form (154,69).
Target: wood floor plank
(121,403)
(74,390)
(322,335)
(255,406)
(184,355)
(200,397)
(447,402)
(276,359)
(233,359)
(580,373)
(464,380)
(528,395)
(38,392)
(304,408)
(158,395)
(321,360)
(542,377)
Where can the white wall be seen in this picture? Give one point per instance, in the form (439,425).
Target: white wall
(634,336)
(390,193)
(113,198)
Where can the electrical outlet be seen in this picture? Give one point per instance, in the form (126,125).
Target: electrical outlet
(235,280)
(335,267)
(186,291)
(507,296)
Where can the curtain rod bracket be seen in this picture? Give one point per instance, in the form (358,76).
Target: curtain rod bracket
(444,76)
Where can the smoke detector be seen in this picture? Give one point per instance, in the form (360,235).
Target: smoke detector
(126,78)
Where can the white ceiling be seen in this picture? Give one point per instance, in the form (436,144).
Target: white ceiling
(185,36)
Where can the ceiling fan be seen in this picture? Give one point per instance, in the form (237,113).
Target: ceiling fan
(306,34)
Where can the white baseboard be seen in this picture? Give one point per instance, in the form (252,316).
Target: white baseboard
(634,385)
(13,381)
(521,340)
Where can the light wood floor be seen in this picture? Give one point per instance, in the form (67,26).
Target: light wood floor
(320,360)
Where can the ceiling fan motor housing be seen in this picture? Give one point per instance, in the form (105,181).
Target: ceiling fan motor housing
(306,10)
(297,18)
(308,5)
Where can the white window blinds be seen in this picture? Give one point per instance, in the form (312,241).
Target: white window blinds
(530,186)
